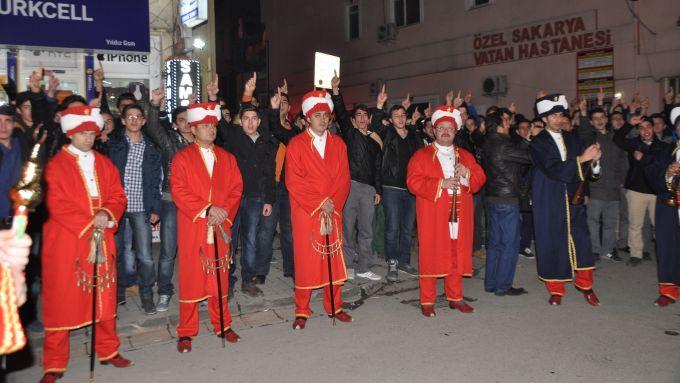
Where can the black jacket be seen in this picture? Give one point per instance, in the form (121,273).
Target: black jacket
(390,172)
(504,163)
(363,152)
(256,160)
(169,141)
(635,179)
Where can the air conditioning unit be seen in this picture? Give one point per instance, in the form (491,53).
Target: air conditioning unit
(495,86)
(387,32)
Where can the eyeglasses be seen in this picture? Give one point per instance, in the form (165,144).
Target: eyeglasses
(134,118)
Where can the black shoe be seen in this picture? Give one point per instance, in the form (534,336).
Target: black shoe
(489,290)
(148,306)
(511,292)
(408,269)
(527,253)
(633,261)
(613,256)
(260,279)
(625,249)
(646,256)
(251,289)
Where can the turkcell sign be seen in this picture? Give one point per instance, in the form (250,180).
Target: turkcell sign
(91,25)
(193,12)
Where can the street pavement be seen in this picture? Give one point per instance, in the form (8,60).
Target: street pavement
(507,339)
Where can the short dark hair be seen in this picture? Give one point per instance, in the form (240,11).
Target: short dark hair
(493,121)
(394,108)
(491,110)
(658,115)
(249,108)
(66,102)
(359,107)
(596,110)
(285,95)
(177,111)
(617,112)
(125,96)
(22,98)
(130,107)
(7,110)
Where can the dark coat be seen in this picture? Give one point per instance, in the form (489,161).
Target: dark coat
(556,221)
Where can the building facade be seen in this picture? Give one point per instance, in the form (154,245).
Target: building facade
(503,50)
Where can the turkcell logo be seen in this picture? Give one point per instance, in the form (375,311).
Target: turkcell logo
(44,10)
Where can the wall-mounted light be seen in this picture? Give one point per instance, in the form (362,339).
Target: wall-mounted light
(199,43)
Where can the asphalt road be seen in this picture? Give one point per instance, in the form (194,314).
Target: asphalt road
(507,339)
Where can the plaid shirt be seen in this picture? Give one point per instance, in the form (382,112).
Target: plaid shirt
(133,176)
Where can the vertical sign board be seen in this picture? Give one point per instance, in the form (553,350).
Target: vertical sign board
(182,78)
(121,25)
(595,70)
(193,12)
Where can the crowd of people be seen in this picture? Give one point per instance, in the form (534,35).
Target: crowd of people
(584,182)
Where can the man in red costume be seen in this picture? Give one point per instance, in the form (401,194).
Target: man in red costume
(206,186)
(443,178)
(84,194)
(317,176)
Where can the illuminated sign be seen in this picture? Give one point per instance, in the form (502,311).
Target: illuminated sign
(182,78)
(193,12)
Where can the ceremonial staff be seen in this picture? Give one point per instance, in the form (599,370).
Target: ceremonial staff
(97,236)
(218,270)
(326,229)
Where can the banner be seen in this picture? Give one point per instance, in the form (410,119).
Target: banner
(90,89)
(121,25)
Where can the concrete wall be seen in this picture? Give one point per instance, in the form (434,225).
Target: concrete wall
(429,58)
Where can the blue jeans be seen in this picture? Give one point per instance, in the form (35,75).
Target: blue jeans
(166,261)
(127,272)
(503,246)
(265,235)
(245,228)
(400,214)
(141,232)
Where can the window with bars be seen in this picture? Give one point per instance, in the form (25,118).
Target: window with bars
(407,12)
(472,4)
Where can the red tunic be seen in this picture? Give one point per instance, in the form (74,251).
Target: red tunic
(67,301)
(436,250)
(311,180)
(193,191)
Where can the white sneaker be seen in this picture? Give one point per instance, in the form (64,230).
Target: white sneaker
(370,275)
(350,274)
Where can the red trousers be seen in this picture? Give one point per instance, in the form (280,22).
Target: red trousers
(56,346)
(583,280)
(670,290)
(453,287)
(188,317)
(302,297)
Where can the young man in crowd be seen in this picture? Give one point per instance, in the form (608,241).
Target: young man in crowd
(139,162)
(604,194)
(85,195)
(317,176)
(206,186)
(169,142)
(445,211)
(503,161)
(399,143)
(364,151)
(563,249)
(640,196)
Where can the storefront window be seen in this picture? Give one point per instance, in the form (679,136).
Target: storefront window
(115,87)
